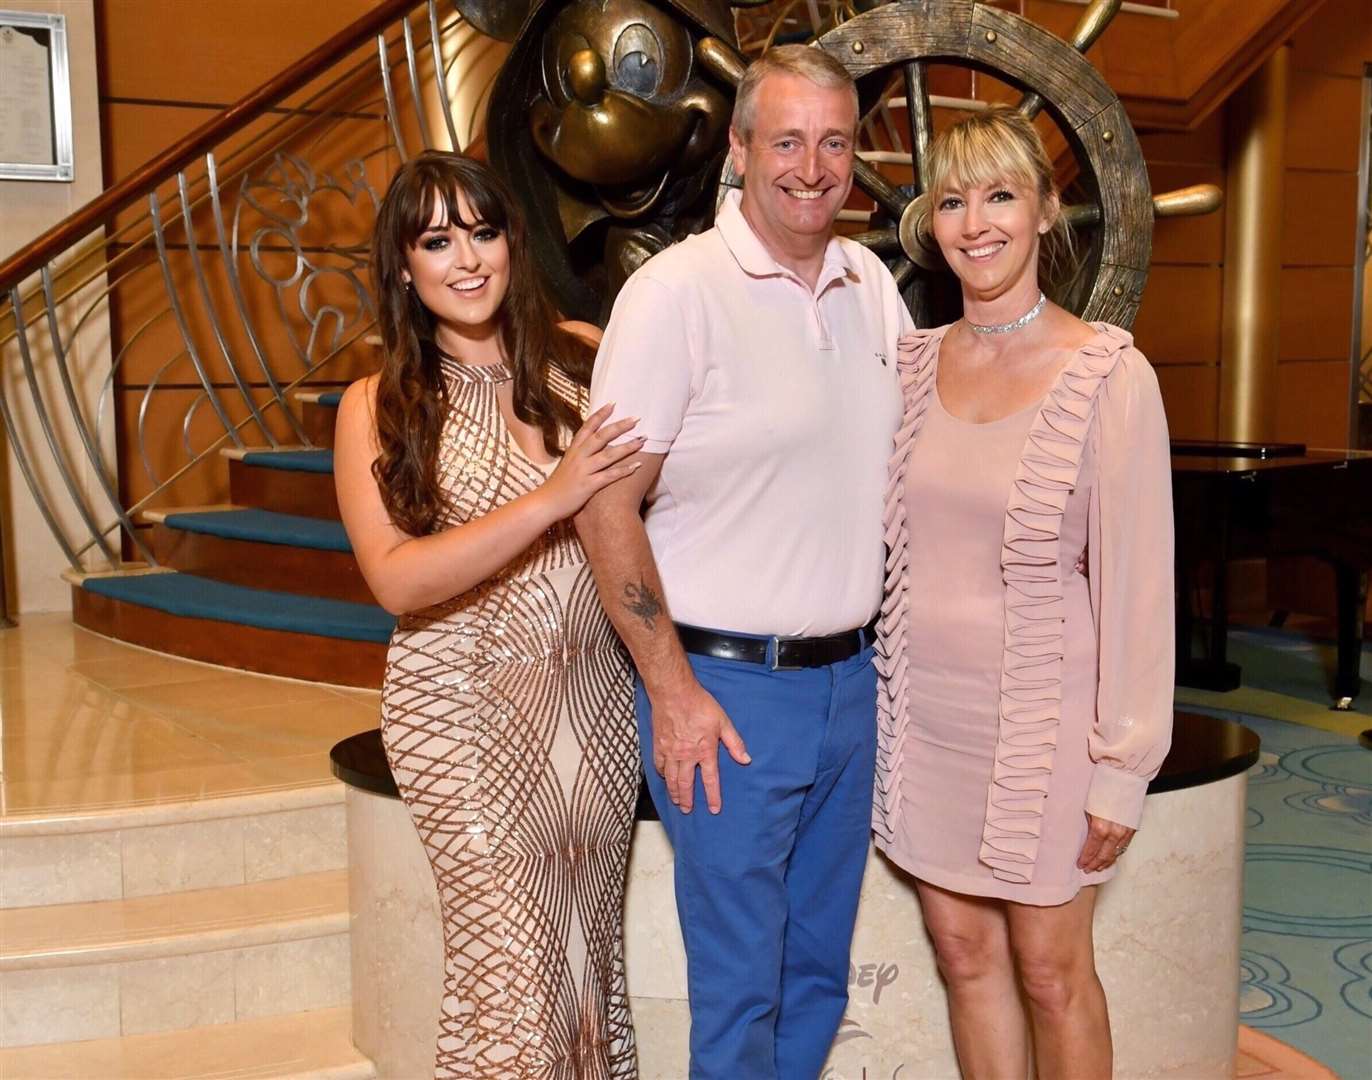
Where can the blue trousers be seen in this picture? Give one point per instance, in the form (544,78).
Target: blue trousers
(767,890)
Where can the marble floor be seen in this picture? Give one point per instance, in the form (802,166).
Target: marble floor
(88,724)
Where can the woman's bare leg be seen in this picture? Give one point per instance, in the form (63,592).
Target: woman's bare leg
(1055,957)
(972,940)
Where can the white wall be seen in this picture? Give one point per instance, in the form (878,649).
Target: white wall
(28,208)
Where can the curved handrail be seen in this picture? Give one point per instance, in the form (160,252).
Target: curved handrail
(102,209)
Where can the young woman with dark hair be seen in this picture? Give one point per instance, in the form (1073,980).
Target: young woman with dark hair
(507,710)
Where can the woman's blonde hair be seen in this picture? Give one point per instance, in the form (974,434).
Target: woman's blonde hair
(1000,144)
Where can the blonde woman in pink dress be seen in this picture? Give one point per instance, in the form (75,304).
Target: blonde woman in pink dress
(1027,636)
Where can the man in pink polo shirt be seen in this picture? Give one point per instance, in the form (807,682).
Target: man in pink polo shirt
(760,359)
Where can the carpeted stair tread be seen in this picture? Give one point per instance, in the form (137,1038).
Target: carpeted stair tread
(201,598)
(264,527)
(310,461)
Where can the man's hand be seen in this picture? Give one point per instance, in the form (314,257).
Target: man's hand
(688,726)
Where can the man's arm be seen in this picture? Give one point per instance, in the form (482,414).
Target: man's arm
(687,723)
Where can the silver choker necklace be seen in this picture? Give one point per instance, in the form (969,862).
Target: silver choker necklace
(1005,328)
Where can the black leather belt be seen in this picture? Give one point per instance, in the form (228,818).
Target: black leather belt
(789,654)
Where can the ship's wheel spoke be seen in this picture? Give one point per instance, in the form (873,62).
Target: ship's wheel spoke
(1081,215)
(903,271)
(882,241)
(921,117)
(1188,201)
(886,194)
(1089,27)
(1031,104)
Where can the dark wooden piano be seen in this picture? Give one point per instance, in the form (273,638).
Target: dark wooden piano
(1248,500)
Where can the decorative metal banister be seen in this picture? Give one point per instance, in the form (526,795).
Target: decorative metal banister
(135,187)
(225,272)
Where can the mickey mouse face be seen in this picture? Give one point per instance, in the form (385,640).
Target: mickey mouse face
(626,46)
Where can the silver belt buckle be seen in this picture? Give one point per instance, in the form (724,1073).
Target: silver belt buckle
(776,664)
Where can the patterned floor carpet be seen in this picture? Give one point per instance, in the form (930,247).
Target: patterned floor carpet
(1307,944)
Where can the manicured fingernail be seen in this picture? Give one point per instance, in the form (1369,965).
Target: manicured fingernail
(636,466)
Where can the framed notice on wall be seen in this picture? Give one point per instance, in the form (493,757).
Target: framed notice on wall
(35,98)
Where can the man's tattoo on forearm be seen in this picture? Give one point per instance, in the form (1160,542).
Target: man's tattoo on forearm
(643,602)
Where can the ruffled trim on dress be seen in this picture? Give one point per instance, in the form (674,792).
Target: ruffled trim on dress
(916,371)
(1031,668)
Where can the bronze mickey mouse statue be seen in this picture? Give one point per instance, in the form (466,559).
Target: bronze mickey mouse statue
(609,120)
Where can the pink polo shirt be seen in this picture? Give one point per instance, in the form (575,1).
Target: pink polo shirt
(776,408)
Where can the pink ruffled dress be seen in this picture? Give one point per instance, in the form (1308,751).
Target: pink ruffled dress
(1017,691)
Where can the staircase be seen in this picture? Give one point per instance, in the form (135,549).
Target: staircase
(266,583)
(186,938)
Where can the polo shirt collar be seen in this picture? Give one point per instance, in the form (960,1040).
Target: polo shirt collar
(757,261)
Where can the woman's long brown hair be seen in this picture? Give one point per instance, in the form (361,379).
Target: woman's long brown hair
(411,397)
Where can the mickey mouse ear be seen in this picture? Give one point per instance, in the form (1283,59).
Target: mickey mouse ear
(500,19)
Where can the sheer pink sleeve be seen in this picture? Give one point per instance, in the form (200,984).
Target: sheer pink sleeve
(1131,576)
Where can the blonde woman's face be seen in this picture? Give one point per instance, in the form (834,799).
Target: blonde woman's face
(989,233)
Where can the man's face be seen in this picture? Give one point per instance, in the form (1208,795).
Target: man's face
(797,163)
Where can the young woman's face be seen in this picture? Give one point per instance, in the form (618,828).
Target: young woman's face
(460,274)
(989,233)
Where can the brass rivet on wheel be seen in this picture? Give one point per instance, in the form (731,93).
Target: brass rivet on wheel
(1107,136)
(991,36)
(1118,290)
(858,46)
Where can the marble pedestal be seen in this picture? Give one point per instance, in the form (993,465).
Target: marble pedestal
(1167,946)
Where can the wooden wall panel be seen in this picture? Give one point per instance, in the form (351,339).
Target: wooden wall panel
(1335,40)
(1202,146)
(1320,219)
(1322,118)
(1137,51)
(186,50)
(1179,320)
(1190,396)
(1313,403)
(1316,315)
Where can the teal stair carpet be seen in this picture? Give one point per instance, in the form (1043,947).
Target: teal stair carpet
(264,527)
(330,399)
(1306,975)
(311,461)
(201,598)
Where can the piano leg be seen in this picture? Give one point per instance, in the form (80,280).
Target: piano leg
(1351,587)
(1214,672)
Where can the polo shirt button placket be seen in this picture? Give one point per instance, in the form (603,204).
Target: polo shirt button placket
(825,341)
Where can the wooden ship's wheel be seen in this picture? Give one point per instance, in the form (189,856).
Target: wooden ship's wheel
(889,48)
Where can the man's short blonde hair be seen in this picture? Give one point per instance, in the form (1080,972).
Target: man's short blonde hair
(809,62)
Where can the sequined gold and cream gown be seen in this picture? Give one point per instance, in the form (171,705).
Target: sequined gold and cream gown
(507,715)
